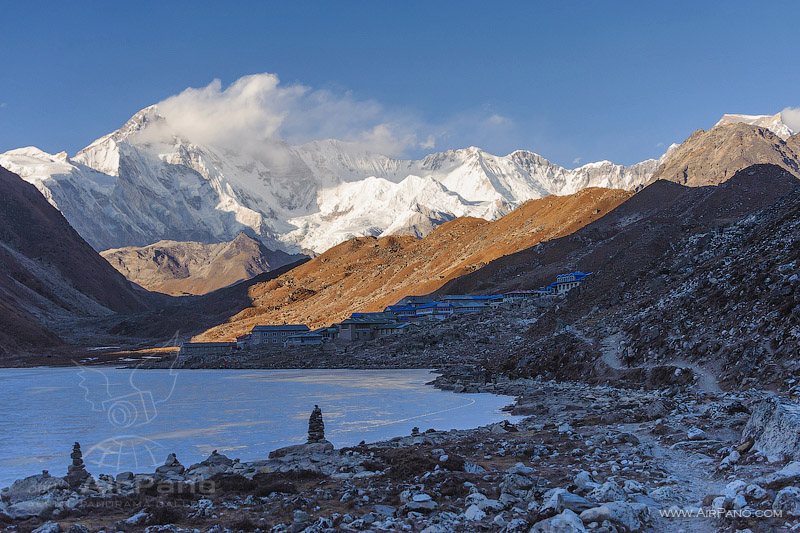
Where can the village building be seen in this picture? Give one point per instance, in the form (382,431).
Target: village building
(275,335)
(363,326)
(567,282)
(388,330)
(435,310)
(243,341)
(465,303)
(304,339)
(403,313)
(329,334)
(203,349)
(415,301)
(513,297)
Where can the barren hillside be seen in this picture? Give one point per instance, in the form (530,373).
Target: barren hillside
(181,268)
(367,274)
(50,276)
(711,157)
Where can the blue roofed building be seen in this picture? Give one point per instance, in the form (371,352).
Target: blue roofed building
(403,313)
(567,282)
(435,310)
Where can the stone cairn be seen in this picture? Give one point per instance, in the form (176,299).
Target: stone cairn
(76,472)
(316,427)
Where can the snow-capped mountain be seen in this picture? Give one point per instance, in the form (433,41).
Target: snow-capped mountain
(774,123)
(144,183)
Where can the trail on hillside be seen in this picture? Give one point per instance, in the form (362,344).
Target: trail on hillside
(611,357)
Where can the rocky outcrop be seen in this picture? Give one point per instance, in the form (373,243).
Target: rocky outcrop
(774,428)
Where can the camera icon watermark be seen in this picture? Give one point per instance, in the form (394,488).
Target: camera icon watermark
(135,409)
(130,399)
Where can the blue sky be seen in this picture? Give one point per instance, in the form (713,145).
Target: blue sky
(573,81)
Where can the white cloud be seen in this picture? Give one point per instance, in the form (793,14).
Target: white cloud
(498,120)
(791,117)
(577,161)
(258,109)
(3,104)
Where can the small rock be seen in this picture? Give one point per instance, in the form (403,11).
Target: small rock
(608,492)
(474,513)
(584,481)
(696,434)
(138,519)
(48,527)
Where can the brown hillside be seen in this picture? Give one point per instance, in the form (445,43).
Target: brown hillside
(184,268)
(367,274)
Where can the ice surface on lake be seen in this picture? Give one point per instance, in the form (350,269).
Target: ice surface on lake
(130,420)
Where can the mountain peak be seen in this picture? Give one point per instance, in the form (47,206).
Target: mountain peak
(774,123)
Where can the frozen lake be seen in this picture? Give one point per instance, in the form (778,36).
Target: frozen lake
(131,419)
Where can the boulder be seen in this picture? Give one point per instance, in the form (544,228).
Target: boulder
(31,508)
(215,464)
(34,486)
(557,500)
(696,434)
(632,517)
(774,428)
(787,475)
(584,481)
(171,467)
(566,522)
(788,501)
(312,448)
(48,527)
(608,492)
(474,513)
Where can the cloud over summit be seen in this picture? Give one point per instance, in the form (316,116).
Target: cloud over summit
(259,109)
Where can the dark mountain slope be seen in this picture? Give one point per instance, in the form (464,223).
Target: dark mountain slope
(49,274)
(629,238)
(700,275)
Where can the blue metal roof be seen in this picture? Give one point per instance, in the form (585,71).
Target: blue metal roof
(451,297)
(399,308)
(283,327)
(433,305)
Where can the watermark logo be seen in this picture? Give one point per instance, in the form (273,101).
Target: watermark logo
(130,401)
(717,512)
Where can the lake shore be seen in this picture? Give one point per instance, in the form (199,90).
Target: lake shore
(594,456)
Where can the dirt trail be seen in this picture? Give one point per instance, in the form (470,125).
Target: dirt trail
(692,472)
(611,356)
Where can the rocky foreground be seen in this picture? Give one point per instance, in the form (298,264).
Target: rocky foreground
(580,458)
